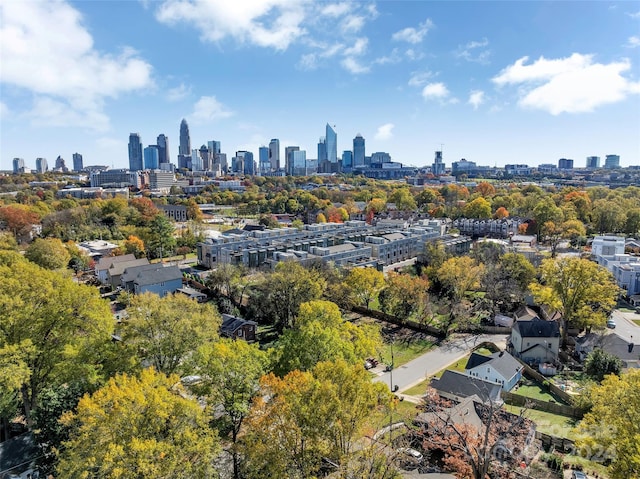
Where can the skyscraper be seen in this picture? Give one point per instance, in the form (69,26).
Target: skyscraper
(288,160)
(322,149)
(612,162)
(214,146)
(438,166)
(152,157)
(358,151)
(331,142)
(41,165)
(185,139)
(298,162)
(18,165)
(77,162)
(274,154)
(61,165)
(163,149)
(135,152)
(593,162)
(565,164)
(263,160)
(207,158)
(347,159)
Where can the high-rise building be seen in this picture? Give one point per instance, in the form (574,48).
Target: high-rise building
(61,166)
(77,162)
(214,146)
(288,160)
(196,161)
(18,166)
(438,166)
(163,149)
(347,159)
(593,162)
(380,157)
(41,165)
(249,165)
(185,139)
(322,149)
(152,157)
(274,154)
(358,150)
(565,164)
(298,162)
(135,152)
(263,160)
(612,162)
(331,142)
(206,156)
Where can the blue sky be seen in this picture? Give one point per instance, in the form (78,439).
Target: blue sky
(493,82)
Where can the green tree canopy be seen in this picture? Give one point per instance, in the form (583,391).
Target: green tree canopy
(161,240)
(365,284)
(581,290)
(600,363)
(50,253)
(139,428)
(166,331)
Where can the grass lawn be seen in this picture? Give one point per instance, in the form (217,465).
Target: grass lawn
(403,351)
(637,321)
(548,423)
(404,411)
(534,391)
(589,467)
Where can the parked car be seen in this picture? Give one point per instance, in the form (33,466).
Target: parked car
(578,475)
(611,323)
(412,453)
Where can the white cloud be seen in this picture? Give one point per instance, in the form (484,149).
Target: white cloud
(411,54)
(352,23)
(413,35)
(266,23)
(474,51)
(354,66)
(208,108)
(47,50)
(392,58)
(476,98)
(335,9)
(568,85)
(435,91)
(178,93)
(308,62)
(419,78)
(385,132)
(633,42)
(634,14)
(358,48)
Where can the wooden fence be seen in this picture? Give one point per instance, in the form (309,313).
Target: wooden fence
(535,375)
(539,405)
(423,328)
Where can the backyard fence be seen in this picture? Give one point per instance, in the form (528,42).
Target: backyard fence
(535,375)
(539,405)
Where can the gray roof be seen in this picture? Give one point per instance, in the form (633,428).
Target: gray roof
(118,268)
(106,261)
(158,275)
(131,272)
(463,413)
(537,328)
(18,451)
(461,385)
(524,313)
(230,324)
(505,364)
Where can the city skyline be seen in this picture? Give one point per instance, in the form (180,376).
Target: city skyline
(494,83)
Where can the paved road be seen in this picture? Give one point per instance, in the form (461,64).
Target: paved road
(439,358)
(625,327)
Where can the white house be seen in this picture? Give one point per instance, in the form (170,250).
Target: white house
(607,245)
(535,340)
(499,368)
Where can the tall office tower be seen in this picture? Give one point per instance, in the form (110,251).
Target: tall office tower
(298,162)
(18,165)
(41,165)
(331,141)
(322,149)
(152,157)
(207,158)
(358,150)
(593,162)
(347,159)
(288,162)
(248,165)
(196,161)
(163,149)
(214,147)
(185,139)
(274,154)
(221,160)
(438,167)
(135,152)
(263,160)
(380,157)
(565,164)
(612,162)
(77,162)
(61,165)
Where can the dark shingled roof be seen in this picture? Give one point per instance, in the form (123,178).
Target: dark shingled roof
(158,275)
(502,362)
(230,324)
(17,453)
(461,385)
(537,328)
